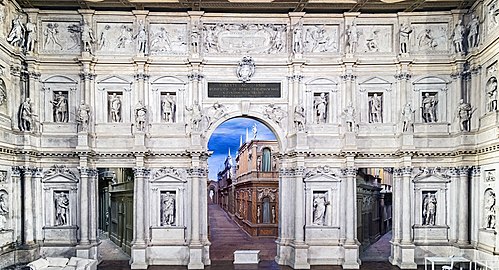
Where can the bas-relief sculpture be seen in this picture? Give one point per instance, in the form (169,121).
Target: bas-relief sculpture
(115,38)
(489,204)
(17,32)
(274,113)
(404,35)
(320,206)
(492,15)
(61,208)
(299,118)
(168,108)
(491,89)
(349,116)
(375,108)
(168,208)
(489,176)
(4,210)
(407,117)
(26,116)
(115,108)
(244,38)
(320,38)
(374,38)
(464,113)
(195,116)
(429,108)
(195,38)
(429,209)
(430,37)
(140,116)
(320,107)
(83,116)
(168,39)
(214,112)
(458,37)
(60,107)
(61,37)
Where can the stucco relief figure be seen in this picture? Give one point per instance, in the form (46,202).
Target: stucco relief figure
(4,209)
(141,38)
(352,35)
(140,116)
(83,115)
(61,209)
(429,209)
(245,69)
(87,37)
(372,42)
(26,116)
(74,31)
(404,34)
(320,106)
(458,37)
(429,108)
(168,108)
(492,94)
(490,209)
(375,107)
(31,36)
(60,108)
(298,38)
(299,118)
(320,207)
(319,39)
(103,42)
(426,40)
(473,31)
(161,41)
(16,34)
(210,39)
(125,37)
(407,117)
(489,177)
(51,34)
(274,113)
(349,116)
(195,116)
(215,112)
(167,209)
(115,108)
(464,113)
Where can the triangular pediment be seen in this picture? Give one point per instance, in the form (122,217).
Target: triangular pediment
(376,81)
(60,79)
(114,80)
(170,175)
(432,178)
(322,177)
(60,178)
(168,80)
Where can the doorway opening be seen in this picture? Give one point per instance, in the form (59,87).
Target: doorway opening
(243,189)
(374,213)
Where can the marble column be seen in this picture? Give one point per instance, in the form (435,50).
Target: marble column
(300,258)
(195,247)
(478,97)
(92,206)
(84,195)
(38,215)
(28,205)
(396,216)
(475,205)
(351,246)
(17,207)
(453,200)
(138,252)
(286,213)
(463,234)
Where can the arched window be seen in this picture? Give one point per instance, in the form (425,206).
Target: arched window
(266,210)
(266,160)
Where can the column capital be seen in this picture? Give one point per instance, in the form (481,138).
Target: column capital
(349,171)
(195,76)
(296,77)
(16,171)
(348,77)
(141,76)
(197,172)
(476,170)
(463,170)
(140,172)
(475,69)
(87,76)
(403,76)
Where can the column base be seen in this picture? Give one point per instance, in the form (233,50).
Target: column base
(88,251)
(299,256)
(404,256)
(195,257)
(138,258)
(351,259)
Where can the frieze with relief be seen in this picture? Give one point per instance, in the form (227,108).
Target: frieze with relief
(60,37)
(244,38)
(492,15)
(115,38)
(430,37)
(375,38)
(168,39)
(320,38)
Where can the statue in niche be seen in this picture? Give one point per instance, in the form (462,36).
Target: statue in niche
(140,116)
(473,31)
(492,95)
(299,118)
(60,107)
(4,209)
(115,108)
(490,209)
(16,34)
(125,37)
(103,37)
(259,163)
(161,41)
(426,40)
(404,34)
(31,36)
(87,37)
(61,209)
(320,206)
(83,115)
(195,116)
(352,38)
(26,116)
(458,37)
(349,115)
(320,106)
(429,108)
(298,38)
(375,107)
(167,209)
(168,108)
(195,40)
(51,33)
(464,113)
(141,38)
(407,117)
(429,209)
(245,69)
(215,112)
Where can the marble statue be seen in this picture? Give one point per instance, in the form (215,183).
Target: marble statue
(167,209)
(404,34)
(31,36)
(320,207)
(458,37)
(168,108)
(299,118)
(349,116)
(16,34)
(298,38)
(407,117)
(254,130)
(140,116)
(83,116)
(473,31)
(320,106)
(61,209)
(87,37)
(60,108)
(259,163)
(490,209)
(115,108)
(426,40)
(352,35)
(375,107)
(245,69)
(211,194)
(4,209)
(464,113)
(429,108)
(26,116)
(195,116)
(195,40)
(492,95)
(141,38)
(273,214)
(51,34)
(429,209)
(258,214)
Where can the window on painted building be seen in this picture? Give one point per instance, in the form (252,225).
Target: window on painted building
(266,160)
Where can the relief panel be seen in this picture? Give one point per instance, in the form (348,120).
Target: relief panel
(115,38)
(60,37)
(430,37)
(321,38)
(168,39)
(375,38)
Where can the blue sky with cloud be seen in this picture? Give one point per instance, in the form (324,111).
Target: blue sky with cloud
(227,135)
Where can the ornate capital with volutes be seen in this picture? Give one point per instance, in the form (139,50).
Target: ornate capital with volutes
(296,77)
(195,76)
(84,171)
(16,171)
(463,170)
(198,172)
(406,171)
(349,171)
(476,170)
(87,76)
(287,171)
(141,76)
(348,77)
(140,172)
(403,76)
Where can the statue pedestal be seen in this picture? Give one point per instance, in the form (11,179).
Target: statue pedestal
(407,140)
(301,140)
(139,140)
(196,138)
(350,140)
(82,139)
